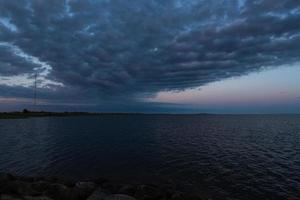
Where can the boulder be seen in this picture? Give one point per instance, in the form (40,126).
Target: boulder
(25,178)
(110,187)
(119,197)
(40,186)
(177,196)
(147,192)
(8,197)
(85,186)
(36,198)
(59,181)
(98,194)
(18,188)
(4,177)
(127,189)
(82,190)
(58,191)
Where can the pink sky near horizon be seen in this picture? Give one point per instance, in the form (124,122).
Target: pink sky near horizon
(268,87)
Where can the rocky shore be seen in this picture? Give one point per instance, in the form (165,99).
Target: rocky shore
(14,187)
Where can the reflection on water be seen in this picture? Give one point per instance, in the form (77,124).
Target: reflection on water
(239,157)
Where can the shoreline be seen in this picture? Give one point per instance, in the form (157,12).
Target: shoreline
(13,187)
(33,114)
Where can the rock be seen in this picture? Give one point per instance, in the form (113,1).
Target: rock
(119,197)
(147,192)
(8,197)
(18,188)
(25,179)
(58,192)
(127,189)
(194,197)
(177,196)
(98,194)
(59,181)
(37,198)
(83,189)
(86,186)
(40,186)
(5,177)
(111,187)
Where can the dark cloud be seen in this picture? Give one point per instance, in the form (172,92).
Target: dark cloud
(12,64)
(122,51)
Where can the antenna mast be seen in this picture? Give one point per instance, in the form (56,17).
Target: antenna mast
(35,86)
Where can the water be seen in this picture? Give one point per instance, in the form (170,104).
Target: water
(229,157)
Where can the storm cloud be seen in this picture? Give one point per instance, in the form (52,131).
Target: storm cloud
(126,50)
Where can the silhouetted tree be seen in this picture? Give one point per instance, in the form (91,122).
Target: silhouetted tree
(25,111)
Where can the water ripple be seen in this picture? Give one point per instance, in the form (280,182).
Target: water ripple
(231,157)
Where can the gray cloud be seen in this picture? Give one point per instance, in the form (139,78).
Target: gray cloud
(115,49)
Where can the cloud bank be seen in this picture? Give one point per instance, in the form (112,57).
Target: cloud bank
(123,51)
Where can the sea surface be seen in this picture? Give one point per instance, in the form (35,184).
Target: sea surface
(242,157)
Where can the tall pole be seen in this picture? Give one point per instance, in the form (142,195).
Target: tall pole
(35,85)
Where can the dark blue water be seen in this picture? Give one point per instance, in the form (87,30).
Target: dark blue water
(229,157)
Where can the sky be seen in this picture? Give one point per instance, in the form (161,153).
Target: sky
(169,56)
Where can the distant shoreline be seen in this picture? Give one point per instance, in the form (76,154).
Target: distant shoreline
(31,114)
